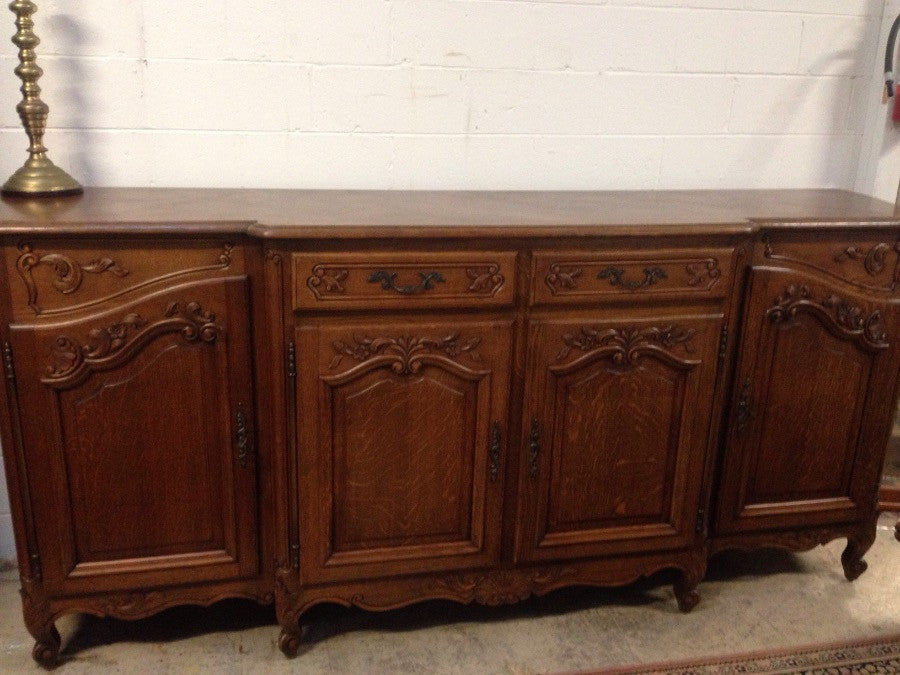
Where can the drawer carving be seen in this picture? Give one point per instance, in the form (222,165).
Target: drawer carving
(872,265)
(405,279)
(874,261)
(848,319)
(705,273)
(485,279)
(68,274)
(405,353)
(573,277)
(562,278)
(327,280)
(109,346)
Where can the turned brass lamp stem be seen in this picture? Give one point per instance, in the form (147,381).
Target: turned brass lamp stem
(39,176)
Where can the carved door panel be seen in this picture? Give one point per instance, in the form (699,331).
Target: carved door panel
(812,406)
(617,418)
(402,427)
(138,427)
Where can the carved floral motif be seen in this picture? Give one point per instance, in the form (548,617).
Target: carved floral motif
(627,343)
(874,260)
(485,279)
(787,303)
(67,354)
(68,274)
(327,279)
(562,278)
(405,352)
(71,359)
(851,320)
(501,587)
(703,272)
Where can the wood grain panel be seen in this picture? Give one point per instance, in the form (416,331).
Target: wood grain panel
(806,443)
(613,434)
(413,492)
(100,445)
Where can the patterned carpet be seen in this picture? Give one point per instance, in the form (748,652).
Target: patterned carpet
(881,655)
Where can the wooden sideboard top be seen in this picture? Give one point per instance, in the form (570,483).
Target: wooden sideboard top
(380,214)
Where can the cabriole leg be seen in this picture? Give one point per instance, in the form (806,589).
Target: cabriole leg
(686,589)
(289,641)
(46,647)
(857,545)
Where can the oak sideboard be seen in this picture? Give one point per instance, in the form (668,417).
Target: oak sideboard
(378,398)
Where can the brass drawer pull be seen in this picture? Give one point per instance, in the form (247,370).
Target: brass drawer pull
(616,276)
(388,281)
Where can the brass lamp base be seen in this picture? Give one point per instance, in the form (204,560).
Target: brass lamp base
(40,176)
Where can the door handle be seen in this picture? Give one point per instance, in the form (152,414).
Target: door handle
(744,413)
(494,452)
(388,281)
(534,447)
(242,443)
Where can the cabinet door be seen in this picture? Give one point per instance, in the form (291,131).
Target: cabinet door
(401,433)
(618,413)
(138,434)
(813,403)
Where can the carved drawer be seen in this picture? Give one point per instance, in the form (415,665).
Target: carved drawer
(577,276)
(55,277)
(336,281)
(867,260)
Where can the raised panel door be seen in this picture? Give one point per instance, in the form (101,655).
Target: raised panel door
(812,405)
(139,434)
(401,431)
(618,411)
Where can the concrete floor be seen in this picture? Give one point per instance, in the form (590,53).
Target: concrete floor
(765,599)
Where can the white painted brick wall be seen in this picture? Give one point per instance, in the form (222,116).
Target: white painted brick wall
(614,94)
(879,163)
(445,93)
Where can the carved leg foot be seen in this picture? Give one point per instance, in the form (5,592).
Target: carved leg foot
(686,591)
(46,648)
(289,641)
(852,557)
(897,531)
